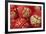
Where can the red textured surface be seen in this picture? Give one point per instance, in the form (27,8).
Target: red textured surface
(20,21)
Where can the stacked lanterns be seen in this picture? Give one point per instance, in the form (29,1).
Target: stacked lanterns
(24,17)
